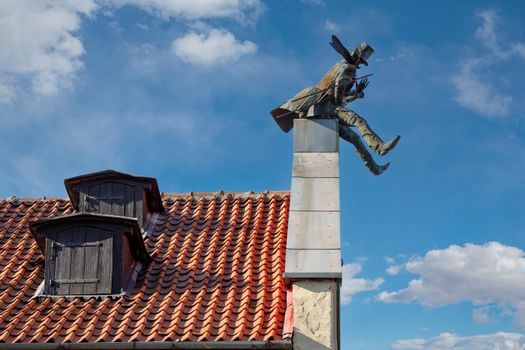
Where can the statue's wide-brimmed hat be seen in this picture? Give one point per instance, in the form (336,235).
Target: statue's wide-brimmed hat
(362,53)
(359,55)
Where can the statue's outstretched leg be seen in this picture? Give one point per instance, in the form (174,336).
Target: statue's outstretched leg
(347,116)
(346,132)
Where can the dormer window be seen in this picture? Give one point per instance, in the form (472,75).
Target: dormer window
(94,251)
(89,254)
(113,193)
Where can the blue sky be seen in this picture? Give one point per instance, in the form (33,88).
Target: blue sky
(181,90)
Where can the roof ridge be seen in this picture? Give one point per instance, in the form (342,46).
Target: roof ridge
(44,198)
(166,195)
(223,193)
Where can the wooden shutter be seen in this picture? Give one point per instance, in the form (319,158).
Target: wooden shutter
(80,261)
(114,198)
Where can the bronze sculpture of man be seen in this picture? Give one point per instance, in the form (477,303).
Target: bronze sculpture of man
(329,98)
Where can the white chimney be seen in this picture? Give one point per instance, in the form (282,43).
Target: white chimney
(313,249)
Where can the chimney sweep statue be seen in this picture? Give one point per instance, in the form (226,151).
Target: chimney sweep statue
(328,99)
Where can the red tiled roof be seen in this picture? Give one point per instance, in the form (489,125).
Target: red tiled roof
(216,275)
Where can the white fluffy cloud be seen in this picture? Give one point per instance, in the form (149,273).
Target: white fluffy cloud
(331,26)
(351,285)
(44,48)
(478,95)
(448,341)
(215,47)
(194,9)
(481,274)
(7,93)
(393,269)
(481,315)
(475,89)
(519,49)
(486,32)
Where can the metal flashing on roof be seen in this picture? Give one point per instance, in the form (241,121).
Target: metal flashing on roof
(315,194)
(315,164)
(313,275)
(316,135)
(313,263)
(313,247)
(313,230)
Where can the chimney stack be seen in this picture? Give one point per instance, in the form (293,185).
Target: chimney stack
(313,249)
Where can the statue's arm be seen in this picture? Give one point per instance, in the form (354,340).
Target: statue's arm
(353,96)
(344,82)
(358,92)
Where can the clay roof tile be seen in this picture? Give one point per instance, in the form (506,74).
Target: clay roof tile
(216,275)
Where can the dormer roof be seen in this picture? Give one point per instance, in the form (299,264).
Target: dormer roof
(138,248)
(151,188)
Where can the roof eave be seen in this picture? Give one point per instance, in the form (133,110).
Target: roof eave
(218,345)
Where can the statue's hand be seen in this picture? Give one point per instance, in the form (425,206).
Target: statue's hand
(363,83)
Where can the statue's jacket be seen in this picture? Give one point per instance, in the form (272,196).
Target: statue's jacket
(332,88)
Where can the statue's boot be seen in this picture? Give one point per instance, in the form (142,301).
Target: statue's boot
(349,117)
(351,136)
(386,147)
(378,169)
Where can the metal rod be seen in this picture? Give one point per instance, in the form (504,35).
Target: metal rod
(323,90)
(364,76)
